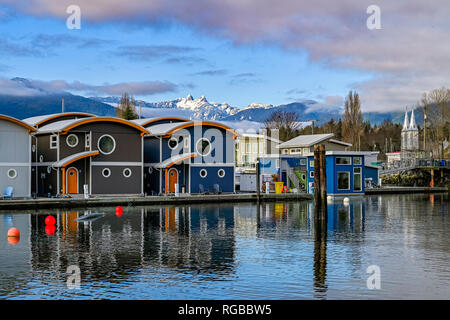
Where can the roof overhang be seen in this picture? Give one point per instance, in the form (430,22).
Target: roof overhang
(74,157)
(175,159)
(201,123)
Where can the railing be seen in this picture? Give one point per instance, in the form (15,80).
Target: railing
(410,164)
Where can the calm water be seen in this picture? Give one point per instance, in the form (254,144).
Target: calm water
(276,251)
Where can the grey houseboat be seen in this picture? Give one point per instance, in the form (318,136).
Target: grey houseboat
(104,153)
(15,156)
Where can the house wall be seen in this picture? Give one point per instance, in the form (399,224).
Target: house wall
(226,183)
(15,155)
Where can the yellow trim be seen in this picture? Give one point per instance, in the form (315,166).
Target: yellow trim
(91,154)
(19,122)
(201,123)
(65,114)
(104,119)
(164,118)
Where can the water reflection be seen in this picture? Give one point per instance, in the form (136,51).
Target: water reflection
(242,248)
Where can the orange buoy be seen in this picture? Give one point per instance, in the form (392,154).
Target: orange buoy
(50,221)
(13,233)
(50,229)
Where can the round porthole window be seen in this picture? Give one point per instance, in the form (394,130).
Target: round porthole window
(12,173)
(173,143)
(150,170)
(127,172)
(203,173)
(221,173)
(33,148)
(106,172)
(72,140)
(106,144)
(203,146)
(49,170)
(41,158)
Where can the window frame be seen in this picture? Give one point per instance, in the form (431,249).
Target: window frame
(360,178)
(205,171)
(349,182)
(103,172)
(219,171)
(100,139)
(11,170)
(127,176)
(343,164)
(54,142)
(210,147)
(76,138)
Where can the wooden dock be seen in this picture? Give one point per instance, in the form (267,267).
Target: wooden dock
(399,190)
(43,203)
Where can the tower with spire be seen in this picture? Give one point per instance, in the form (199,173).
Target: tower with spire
(410,133)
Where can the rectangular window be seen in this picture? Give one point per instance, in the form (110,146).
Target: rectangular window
(237,145)
(187,140)
(277,164)
(343,160)
(255,147)
(311,163)
(285,151)
(54,141)
(343,180)
(87,141)
(247,147)
(357,161)
(357,181)
(311,174)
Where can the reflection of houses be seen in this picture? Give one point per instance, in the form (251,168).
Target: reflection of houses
(195,156)
(172,237)
(15,156)
(103,153)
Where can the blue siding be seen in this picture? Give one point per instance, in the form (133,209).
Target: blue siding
(371,173)
(226,183)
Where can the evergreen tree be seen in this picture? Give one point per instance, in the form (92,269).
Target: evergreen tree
(127,108)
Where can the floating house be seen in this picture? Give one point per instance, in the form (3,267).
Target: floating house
(304,144)
(188,156)
(103,153)
(15,156)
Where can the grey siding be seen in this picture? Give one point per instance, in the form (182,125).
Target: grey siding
(15,154)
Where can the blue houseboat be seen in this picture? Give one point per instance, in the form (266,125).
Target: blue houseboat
(188,156)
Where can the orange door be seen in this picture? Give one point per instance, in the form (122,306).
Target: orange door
(72,181)
(173,179)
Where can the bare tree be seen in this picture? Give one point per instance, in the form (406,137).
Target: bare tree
(127,108)
(287,123)
(352,121)
(436,107)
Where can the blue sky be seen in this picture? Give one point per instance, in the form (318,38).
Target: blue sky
(233,53)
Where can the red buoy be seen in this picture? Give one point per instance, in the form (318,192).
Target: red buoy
(50,221)
(13,233)
(50,229)
(119,211)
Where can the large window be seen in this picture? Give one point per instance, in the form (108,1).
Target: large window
(203,146)
(106,144)
(343,180)
(357,181)
(343,160)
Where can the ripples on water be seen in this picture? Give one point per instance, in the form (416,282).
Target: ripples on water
(274,251)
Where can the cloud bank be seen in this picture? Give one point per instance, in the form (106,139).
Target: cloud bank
(407,57)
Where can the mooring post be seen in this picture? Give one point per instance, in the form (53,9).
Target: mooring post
(323,174)
(317,186)
(258,187)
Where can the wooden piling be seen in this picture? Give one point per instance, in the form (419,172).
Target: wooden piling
(317,186)
(323,174)
(258,185)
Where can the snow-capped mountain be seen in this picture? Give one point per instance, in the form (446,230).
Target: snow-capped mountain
(200,108)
